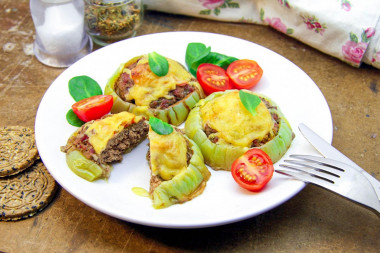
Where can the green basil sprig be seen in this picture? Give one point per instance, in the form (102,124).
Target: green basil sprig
(158,64)
(250,101)
(81,87)
(197,53)
(159,126)
(194,53)
(73,119)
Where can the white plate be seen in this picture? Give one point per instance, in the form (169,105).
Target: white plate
(222,201)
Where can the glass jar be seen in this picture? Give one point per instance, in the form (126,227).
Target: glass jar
(61,39)
(108,21)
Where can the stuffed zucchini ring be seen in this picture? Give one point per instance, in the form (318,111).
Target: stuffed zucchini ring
(178,172)
(137,89)
(224,130)
(92,148)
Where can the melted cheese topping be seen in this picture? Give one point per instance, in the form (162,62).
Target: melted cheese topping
(149,87)
(101,131)
(167,154)
(234,123)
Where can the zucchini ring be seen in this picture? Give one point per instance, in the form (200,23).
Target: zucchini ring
(175,114)
(221,156)
(184,186)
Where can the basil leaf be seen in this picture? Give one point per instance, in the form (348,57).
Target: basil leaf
(198,53)
(159,126)
(73,119)
(158,64)
(220,60)
(250,101)
(194,53)
(81,87)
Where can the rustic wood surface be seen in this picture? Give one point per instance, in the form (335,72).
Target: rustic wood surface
(312,221)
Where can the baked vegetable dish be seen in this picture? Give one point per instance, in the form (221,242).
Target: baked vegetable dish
(92,148)
(224,129)
(178,172)
(138,90)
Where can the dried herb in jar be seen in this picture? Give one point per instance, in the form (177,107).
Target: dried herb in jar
(112,20)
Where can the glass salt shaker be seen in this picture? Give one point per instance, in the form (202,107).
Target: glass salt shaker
(108,21)
(61,39)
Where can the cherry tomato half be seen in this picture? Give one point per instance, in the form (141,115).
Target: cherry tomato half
(244,74)
(93,107)
(253,170)
(212,78)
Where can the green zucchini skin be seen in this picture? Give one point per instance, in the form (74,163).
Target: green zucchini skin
(85,168)
(175,114)
(186,185)
(221,156)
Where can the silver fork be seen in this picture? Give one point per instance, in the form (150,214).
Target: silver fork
(333,175)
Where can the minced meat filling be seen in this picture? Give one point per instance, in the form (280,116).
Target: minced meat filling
(124,141)
(255,143)
(267,104)
(128,138)
(208,131)
(176,95)
(80,141)
(125,82)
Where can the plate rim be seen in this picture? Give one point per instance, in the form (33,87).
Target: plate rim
(158,223)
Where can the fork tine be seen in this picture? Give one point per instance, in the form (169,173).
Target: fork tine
(316,169)
(322,160)
(333,175)
(305,177)
(316,175)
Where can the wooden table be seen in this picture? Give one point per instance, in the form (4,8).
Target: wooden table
(313,221)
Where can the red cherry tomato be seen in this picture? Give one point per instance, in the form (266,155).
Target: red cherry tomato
(93,107)
(244,74)
(212,78)
(253,170)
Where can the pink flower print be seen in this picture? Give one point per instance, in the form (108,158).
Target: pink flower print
(277,24)
(310,25)
(212,4)
(214,7)
(284,2)
(354,51)
(369,32)
(346,5)
(376,57)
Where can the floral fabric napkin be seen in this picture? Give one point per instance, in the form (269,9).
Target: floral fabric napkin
(346,29)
